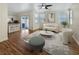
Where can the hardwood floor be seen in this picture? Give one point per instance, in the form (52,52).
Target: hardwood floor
(16,46)
(74,47)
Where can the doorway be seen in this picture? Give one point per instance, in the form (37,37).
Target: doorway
(24,25)
(24,22)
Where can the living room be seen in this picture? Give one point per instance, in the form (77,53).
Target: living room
(49,24)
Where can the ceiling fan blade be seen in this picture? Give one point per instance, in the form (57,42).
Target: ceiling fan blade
(43,5)
(48,5)
(46,8)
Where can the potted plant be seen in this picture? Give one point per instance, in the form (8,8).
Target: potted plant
(46,30)
(64,23)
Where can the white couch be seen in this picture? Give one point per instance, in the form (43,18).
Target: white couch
(76,37)
(67,36)
(52,27)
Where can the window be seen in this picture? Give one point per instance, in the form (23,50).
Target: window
(63,17)
(66,16)
(70,16)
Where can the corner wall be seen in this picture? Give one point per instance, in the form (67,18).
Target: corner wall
(75,20)
(3,22)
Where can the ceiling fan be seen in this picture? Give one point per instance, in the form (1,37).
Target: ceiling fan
(44,5)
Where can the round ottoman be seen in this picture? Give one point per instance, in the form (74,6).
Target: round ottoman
(37,43)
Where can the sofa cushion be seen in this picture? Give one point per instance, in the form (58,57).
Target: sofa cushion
(52,27)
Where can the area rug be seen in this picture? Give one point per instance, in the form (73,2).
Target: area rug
(53,45)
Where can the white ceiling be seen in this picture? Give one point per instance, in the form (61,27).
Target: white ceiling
(21,7)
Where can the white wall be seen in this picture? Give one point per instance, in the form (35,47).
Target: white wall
(33,25)
(3,22)
(75,21)
(26,14)
(12,16)
(35,9)
(57,8)
(36,23)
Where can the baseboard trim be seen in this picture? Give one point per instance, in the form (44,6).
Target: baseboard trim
(4,39)
(33,30)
